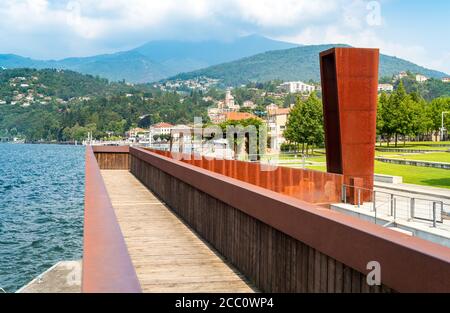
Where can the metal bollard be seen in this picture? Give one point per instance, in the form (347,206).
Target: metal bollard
(412,207)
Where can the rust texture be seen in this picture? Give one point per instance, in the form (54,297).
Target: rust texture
(349,88)
(107,266)
(308,185)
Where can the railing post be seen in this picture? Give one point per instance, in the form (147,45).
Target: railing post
(374,201)
(344,194)
(392,205)
(375,208)
(434,214)
(359,197)
(412,207)
(395,209)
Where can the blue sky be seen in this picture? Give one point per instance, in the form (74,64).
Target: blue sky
(411,29)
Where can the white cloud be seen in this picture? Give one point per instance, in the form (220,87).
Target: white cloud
(54,28)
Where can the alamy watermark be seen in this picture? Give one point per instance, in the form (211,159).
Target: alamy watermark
(373,18)
(373,278)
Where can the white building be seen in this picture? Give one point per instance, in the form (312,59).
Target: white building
(385,88)
(276,120)
(446,80)
(229,101)
(160,129)
(400,75)
(249,104)
(298,86)
(421,78)
(137,134)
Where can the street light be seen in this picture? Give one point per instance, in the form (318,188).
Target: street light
(442,125)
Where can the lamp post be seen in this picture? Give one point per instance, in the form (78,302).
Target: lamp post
(442,125)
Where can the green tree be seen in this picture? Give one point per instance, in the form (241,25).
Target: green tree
(305,123)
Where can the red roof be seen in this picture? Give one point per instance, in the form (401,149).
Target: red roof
(162,125)
(237,116)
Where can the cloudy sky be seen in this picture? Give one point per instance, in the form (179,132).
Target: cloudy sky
(411,29)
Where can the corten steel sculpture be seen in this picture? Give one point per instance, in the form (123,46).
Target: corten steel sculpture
(349,88)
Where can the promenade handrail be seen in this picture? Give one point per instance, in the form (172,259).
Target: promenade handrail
(107,266)
(408,264)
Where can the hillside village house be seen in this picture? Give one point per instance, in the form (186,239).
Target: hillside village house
(446,80)
(421,78)
(400,75)
(298,86)
(385,88)
(249,104)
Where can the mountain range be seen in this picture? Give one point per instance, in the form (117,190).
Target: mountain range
(250,58)
(300,63)
(154,60)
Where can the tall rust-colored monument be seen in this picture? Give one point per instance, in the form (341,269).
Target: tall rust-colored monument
(349,87)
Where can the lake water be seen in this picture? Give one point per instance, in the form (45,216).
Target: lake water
(41,209)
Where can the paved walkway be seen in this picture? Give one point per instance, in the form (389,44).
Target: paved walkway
(63,277)
(167,254)
(443,193)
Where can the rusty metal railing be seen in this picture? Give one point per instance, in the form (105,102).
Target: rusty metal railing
(303,184)
(107,266)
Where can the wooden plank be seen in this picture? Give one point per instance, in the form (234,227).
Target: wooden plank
(167,254)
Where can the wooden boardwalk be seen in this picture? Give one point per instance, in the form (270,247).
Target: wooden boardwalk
(167,254)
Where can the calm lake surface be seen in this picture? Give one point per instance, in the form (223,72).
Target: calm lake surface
(41,209)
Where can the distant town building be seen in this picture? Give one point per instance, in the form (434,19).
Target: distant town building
(271,106)
(421,78)
(208,98)
(385,88)
(218,115)
(446,80)
(137,134)
(297,86)
(160,129)
(276,121)
(400,75)
(249,104)
(229,102)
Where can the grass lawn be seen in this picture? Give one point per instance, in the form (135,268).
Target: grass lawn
(433,157)
(418,175)
(426,176)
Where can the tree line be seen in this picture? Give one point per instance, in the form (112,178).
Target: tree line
(401,116)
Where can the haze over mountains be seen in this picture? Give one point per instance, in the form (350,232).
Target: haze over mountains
(250,58)
(155,60)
